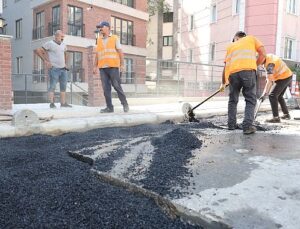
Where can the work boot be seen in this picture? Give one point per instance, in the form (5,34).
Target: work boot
(65,105)
(52,105)
(126,108)
(107,110)
(286,116)
(234,127)
(250,130)
(273,120)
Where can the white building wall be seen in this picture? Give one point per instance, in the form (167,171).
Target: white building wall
(20,47)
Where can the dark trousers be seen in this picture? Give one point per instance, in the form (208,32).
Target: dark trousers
(245,80)
(111,77)
(276,96)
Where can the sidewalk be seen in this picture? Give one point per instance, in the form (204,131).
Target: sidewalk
(142,111)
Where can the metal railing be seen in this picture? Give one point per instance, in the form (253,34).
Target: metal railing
(52,27)
(125,38)
(76,29)
(38,33)
(33,88)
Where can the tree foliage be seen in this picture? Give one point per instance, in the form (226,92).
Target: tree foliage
(157,6)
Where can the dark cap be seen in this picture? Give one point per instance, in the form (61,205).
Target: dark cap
(103,23)
(239,34)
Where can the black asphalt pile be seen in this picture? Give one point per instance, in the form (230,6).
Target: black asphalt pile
(42,187)
(172,152)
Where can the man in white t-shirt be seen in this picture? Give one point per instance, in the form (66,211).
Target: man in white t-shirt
(53,53)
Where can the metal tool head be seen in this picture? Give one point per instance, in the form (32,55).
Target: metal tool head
(187,110)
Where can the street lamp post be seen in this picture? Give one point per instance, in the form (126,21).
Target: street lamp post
(2,24)
(97,34)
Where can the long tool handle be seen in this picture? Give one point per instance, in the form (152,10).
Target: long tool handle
(207,99)
(257,108)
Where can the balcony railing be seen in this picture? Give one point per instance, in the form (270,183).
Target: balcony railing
(38,33)
(125,38)
(52,28)
(76,29)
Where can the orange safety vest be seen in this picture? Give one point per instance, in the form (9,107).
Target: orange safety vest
(241,55)
(281,70)
(108,55)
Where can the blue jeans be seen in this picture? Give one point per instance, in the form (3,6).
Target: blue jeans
(58,74)
(245,80)
(111,77)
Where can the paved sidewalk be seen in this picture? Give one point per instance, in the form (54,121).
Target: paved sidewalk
(142,111)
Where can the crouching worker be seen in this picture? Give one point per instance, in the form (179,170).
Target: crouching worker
(279,77)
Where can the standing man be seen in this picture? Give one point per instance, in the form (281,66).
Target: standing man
(240,73)
(53,53)
(278,79)
(110,61)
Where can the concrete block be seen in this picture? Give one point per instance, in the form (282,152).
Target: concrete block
(25,118)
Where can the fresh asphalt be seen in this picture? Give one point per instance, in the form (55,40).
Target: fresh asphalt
(43,187)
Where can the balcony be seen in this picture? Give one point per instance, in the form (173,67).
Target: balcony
(125,38)
(52,28)
(76,29)
(38,33)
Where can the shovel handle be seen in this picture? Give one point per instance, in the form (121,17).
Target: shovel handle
(216,92)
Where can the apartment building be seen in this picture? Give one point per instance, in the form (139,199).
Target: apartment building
(33,22)
(203,29)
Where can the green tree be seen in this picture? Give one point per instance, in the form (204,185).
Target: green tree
(157,6)
(296,70)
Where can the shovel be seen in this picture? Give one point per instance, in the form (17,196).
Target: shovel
(188,110)
(257,108)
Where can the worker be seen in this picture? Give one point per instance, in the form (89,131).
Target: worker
(240,73)
(279,77)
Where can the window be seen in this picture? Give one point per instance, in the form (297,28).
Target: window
(190,55)
(191,22)
(75,18)
(236,7)
(289,48)
(38,32)
(212,52)
(292,6)
(167,64)
(19,65)
(124,29)
(55,25)
(167,40)
(213,17)
(75,64)
(128,77)
(129,3)
(168,17)
(19,29)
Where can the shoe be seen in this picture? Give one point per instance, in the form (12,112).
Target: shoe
(250,130)
(273,120)
(107,110)
(126,108)
(52,105)
(65,105)
(286,116)
(237,126)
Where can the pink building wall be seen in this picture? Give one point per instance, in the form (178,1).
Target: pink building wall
(261,21)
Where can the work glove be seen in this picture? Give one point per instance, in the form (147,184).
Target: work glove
(263,97)
(222,87)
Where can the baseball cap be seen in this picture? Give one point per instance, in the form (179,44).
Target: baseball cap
(103,23)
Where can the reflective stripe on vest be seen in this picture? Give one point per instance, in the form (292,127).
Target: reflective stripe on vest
(281,70)
(108,55)
(241,55)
